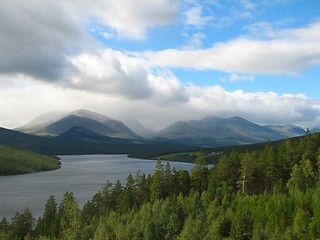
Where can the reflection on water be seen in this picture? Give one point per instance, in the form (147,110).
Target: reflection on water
(83,175)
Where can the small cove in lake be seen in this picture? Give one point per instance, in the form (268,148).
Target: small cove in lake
(84,175)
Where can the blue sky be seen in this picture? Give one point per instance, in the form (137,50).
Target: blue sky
(161,61)
(222,21)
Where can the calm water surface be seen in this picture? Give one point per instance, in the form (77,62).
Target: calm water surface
(83,175)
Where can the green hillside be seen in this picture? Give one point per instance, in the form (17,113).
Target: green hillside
(212,155)
(14,161)
(270,193)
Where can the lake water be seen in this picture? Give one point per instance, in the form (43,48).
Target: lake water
(84,175)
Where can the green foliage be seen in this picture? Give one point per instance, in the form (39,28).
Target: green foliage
(200,172)
(22,225)
(47,225)
(157,185)
(271,193)
(69,218)
(13,161)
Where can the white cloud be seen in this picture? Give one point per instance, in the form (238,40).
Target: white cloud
(261,29)
(22,99)
(312,33)
(234,77)
(35,44)
(110,72)
(170,102)
(167,89)
(37,37)
(130,19)
(288,54)
(195,41)
(195,17)
(282,109)
(108,35)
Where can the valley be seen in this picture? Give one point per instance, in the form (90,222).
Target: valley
(86,132)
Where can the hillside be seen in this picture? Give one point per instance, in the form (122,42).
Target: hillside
(78,140)
(215,132)
(81,134)
(14,161)
(71,121)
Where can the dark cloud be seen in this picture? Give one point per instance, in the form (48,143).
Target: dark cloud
(35,37)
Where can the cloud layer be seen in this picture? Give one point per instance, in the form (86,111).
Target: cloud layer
(129,19)
(33,40)
(170,101)
(50,61)
(289,52)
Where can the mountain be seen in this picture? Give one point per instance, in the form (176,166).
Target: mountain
(79,140)
(81,134)
(89,126)
(40,122)
(288,130)
(18,139)
(71,121)
(213,131)
(89,114)
(53,125)
(138,128)
(316,129)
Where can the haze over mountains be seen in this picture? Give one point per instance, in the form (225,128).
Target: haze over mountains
(54,124)
(226,131)
(84,125)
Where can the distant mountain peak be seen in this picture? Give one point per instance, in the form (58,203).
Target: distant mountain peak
(138,128)
(90,114)
(84,118)
(238,118)
(216,131)
(42,120)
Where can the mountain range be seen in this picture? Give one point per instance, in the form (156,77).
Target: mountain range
(87,126)
(214,131)
(54,124)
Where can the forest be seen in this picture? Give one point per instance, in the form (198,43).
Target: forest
(14,161)
(273,193)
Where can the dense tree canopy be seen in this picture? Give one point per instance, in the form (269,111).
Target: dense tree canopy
(272,193)
(15,161)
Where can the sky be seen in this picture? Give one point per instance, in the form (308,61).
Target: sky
(161,61)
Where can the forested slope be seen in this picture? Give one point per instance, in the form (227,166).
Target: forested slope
(14,161)
(272,193)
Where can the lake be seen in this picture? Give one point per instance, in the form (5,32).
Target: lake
(84,175)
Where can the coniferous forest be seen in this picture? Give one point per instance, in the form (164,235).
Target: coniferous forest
(14,161)
(272,193)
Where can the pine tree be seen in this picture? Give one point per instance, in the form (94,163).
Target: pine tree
(157,187)
(167,181)
(126,199)
(46,225)
(200,172)
(184,182)
(22,224)
(69,213)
